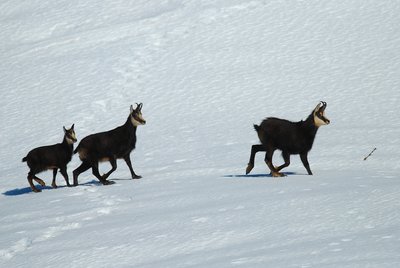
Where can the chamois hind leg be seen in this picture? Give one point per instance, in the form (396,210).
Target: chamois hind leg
(127,159)
(286,158)
(31,177)
(53,183)
(33,173)
(254,149)
(40,181)
(268,161)
(304,159)
(113,163)
(82,168)
(63,171)
(96,173)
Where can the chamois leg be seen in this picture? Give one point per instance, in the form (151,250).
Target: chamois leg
(254,149)
(33,173)
(82,168)
(96,173)
(113,163)
(304,159)
(30,180)
(40,181)
(63,171)
(127,159)
(268,161)
(53,183)
(286,158)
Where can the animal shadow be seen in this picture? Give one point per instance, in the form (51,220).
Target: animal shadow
(262,175)
(27,190)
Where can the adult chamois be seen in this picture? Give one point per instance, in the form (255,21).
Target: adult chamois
(110,146)
(53,157)
(289,137)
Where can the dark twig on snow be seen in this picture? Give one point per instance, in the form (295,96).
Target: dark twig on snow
(365,158)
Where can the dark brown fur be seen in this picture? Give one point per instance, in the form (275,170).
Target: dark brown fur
(289,137)
(53,157)
(109,146)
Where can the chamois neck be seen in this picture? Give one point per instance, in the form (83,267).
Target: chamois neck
(67,144)
(310,125)
(128,124)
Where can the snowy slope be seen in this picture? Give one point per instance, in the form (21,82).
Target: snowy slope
(205,71)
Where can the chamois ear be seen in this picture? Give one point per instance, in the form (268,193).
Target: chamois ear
(72,127)
(131,108)
(140,105)
(65,130)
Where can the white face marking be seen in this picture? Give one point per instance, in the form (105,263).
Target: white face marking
(73,140)
(136,122)
(318,121)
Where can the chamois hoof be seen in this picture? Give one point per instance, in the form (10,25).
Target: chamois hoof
(36,190)
(136,177)
(54,185)
(277,174)
(249,168)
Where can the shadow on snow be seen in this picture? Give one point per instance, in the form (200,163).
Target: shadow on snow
(258,175)
(27,190)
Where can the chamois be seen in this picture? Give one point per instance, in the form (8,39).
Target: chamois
(53,157)
(110,146)
(289,137)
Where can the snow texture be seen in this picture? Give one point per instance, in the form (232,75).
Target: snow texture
(205,71)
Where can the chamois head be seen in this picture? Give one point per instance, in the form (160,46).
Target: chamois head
(136,115)
(319,115)
(70,134)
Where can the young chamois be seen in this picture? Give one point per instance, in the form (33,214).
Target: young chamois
(53,157)
(110,146)
(289,137)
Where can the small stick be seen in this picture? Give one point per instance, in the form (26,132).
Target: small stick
(365,158)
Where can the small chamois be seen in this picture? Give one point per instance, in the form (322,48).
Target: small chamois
(289,137)
(110,146)
(53,157)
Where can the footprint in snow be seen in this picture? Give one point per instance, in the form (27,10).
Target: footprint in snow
(19,246)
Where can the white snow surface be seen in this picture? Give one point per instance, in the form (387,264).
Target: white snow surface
(205,71)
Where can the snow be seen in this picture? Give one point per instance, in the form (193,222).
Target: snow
(205,71)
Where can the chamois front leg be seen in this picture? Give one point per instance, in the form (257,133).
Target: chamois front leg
(63,171)
(304,159)
(53,183)
(127,159)
(254,149)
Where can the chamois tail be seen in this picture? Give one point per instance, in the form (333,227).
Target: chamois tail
(256,127)
(25,159)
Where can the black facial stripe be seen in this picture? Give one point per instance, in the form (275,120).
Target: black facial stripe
(136,117)
(322,117)
(70,135)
